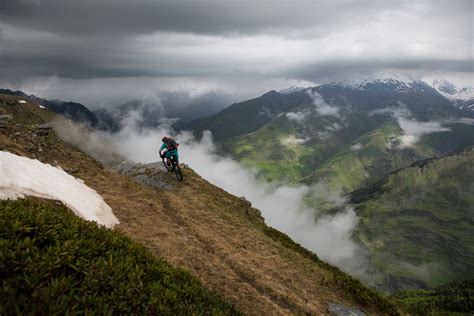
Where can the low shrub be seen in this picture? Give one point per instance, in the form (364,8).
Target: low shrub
(52,262)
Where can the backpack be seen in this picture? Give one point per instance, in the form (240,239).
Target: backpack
(171,144)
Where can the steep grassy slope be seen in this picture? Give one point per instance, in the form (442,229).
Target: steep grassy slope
(218,237)
(55,263)
(417,222)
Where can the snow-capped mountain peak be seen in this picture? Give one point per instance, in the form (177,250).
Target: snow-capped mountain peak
(291,89)
(394,82)
(452,91)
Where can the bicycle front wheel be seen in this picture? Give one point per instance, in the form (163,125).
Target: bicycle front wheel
(168,165)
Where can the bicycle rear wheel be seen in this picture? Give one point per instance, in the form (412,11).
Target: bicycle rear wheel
(177,172)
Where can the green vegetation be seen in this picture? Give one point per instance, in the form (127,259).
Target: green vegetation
(366,159)
(28,113)
(418,221)
(264,151)
(292,151)
(52,262)
(248,116)
(450,299)
(357,291)
(413,246)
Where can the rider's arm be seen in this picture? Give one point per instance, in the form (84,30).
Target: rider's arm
(161,149)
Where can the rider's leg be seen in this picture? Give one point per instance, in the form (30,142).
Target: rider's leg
(173,154)
(168,157)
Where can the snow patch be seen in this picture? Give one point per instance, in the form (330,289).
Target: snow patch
(20,176)
(291,90)
(451,91)
(21,101)
(401,82)
(41,107)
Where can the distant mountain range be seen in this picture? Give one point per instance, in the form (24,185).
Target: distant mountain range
(182,106)
(463,97)
(342,137)
(72,110)
(186,106)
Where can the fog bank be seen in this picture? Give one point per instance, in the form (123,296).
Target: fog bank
(282,206)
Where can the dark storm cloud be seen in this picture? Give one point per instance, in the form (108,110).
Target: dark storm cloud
(295,39)
(205,17)
(340,70)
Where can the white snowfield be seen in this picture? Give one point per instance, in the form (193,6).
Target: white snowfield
(20,176)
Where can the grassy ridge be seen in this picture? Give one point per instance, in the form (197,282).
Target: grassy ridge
(357,291)
(55,263)
(417,221)
(368,158)
(453,298)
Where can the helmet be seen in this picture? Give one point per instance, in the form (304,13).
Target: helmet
(164,139)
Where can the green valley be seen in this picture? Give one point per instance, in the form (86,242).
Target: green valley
(417,221)
(341,139)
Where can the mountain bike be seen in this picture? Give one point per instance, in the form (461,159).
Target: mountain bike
(173,166)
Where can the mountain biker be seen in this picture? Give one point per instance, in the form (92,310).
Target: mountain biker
(169,149)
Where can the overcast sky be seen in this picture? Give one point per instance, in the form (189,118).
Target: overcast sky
(99,50)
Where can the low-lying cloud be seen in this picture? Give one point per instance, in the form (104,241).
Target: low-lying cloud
(297,116)
(412,129)
(282,206)
(293,140)
(321,107)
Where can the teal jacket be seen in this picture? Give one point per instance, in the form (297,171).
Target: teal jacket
(170,153)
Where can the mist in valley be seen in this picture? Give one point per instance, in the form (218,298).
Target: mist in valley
(282,206)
